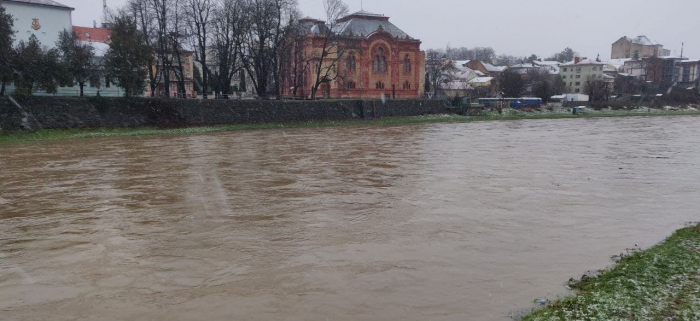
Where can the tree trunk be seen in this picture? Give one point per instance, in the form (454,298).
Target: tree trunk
(2,89)
(82,85)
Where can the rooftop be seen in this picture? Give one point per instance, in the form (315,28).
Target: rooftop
(359,24)
(101,35)
(584,62)
(47,3)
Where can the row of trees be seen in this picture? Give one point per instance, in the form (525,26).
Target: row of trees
(488,55)
(230,38)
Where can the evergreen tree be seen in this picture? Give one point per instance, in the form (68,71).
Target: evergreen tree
(511,83)
(558,85)
(543,90)
(128,55)
(6,38)
(78,60)
(36,68)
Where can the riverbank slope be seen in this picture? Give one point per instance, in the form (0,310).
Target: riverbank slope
(74,133)
(661,283)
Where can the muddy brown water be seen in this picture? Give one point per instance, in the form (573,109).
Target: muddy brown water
(422,222)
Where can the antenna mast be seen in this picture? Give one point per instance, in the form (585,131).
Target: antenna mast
(682,47)
(104,11)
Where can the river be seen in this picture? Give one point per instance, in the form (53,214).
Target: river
(453,221)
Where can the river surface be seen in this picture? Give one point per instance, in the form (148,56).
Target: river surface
(469,221)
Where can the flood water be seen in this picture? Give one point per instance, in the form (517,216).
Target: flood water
(468,221)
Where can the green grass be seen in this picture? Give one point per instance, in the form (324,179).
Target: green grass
(510,114)
(661,283)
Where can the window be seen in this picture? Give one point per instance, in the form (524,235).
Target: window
(578,70)
(571,84)
(107,82)
(351,62)
(350,85)
(407,65)
(595,68)
(578,83)
(565,69)
(563,77)
(578,90)
(578,76)
(407,85)
(686,70)
(379,85)
(380,61)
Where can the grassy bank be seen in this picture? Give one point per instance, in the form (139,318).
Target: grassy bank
(142,131)
(661,283)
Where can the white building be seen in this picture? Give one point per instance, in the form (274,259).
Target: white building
(577,73)
(43,18)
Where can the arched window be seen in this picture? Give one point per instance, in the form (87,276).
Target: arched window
(350,85)
(380,61)
(407,64)
(351,62)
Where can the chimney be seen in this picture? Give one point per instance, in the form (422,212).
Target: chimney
(94,23)
(577,60)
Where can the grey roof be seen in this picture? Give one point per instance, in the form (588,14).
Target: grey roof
(643,40)
(363,24)
(49,3)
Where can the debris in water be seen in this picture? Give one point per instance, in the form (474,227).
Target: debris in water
(542,301)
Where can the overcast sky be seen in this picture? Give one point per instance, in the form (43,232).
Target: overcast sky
(516,27)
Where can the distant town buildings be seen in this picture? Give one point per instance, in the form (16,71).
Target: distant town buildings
(639,47)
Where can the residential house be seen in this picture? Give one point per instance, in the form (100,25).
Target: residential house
(576,74)
(484,82)
(486,68)
(100,40)
(639,47)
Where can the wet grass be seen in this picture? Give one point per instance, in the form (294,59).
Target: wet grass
(50,134)
(661,283)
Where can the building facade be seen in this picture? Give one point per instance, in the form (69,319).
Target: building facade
(377,60)
(577,73)
(44,19)
(639,47)
(184,65)
(688,73)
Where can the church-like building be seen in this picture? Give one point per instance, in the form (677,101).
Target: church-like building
(378,59)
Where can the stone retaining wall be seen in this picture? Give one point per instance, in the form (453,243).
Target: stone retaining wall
(95,112)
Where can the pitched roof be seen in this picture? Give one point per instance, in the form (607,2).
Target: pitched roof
(48,3)
(480,80)
(643,40)
(584,62)
(93,34)
(491,68)
(363,24)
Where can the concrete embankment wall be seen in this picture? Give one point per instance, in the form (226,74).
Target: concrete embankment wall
(96,112)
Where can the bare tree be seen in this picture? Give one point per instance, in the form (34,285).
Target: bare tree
(434,69)
(199,18)
(268,22)
(229,29)
(161,10)
(325,62)
(144,16)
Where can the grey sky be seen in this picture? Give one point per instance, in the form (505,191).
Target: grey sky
(515,27)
